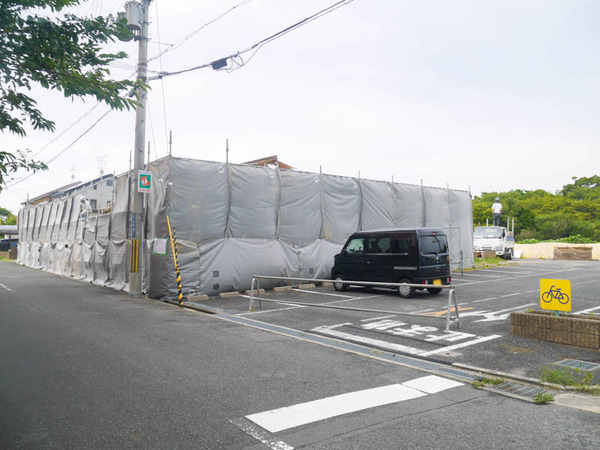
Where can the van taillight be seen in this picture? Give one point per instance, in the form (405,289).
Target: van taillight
(449,280)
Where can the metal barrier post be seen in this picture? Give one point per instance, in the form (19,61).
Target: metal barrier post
(251,295)
(451,296)
(259,297)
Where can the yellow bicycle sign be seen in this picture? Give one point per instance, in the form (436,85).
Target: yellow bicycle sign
(555,294)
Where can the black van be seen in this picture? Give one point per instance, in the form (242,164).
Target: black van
(401,255)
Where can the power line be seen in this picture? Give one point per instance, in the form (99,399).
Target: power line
(67,129)
(65,149)
(210,22)
(236,58)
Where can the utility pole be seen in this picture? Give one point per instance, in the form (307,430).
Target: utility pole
(137,198)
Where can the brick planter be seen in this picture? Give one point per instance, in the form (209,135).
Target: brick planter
(568,329)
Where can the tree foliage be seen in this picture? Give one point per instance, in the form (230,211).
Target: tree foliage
(574,210)
(57,52)
(7,217)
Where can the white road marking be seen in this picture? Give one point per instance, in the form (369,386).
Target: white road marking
(507,271)
(324,293)
(486,299)
(347,299)
(482,275)
(378,318)
(331,331)
(352,299)
(309,412)
(491,316)
(431,384)
(464,344)
(511,295)
(5,287)
(260,436)
(585,311)
(516,277)
(365,340)
(270,310)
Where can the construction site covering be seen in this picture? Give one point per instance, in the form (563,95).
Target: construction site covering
(232,222)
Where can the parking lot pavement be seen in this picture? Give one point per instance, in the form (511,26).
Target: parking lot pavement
(377,318)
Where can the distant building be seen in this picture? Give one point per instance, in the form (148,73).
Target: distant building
(99,193)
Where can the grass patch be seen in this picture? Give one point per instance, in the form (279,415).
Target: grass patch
(563,377)
(543,399)
(482,382)
(577,378)
(492,260)
(576,239)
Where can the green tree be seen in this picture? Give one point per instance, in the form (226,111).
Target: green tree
(62,53)
(6,217)
(574,210)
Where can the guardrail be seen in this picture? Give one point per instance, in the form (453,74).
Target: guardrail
(449,287)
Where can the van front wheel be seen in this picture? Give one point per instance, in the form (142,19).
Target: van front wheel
(406,291)
(338,285)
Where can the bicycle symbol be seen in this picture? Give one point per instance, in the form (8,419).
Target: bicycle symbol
(555,294)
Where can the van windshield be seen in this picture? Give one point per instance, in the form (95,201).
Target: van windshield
(487,232)
(434,245)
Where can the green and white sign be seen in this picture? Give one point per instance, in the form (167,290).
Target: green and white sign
(144,181)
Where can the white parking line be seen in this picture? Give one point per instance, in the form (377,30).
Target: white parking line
(347,299)
(589,310)
(5,287)
(271,310)
(330,331)
(309,412)
(324,293)
(485,299)
(511,295)
(260,435)
(378,318)
(507,270)
(516,277)
(464,344)
(471,274)
(365,340)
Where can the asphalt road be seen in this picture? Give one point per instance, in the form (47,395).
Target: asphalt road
(485,298)
(86,367)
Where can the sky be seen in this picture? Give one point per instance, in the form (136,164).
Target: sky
(475,95)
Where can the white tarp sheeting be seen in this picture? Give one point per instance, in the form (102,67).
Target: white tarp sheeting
(233,222)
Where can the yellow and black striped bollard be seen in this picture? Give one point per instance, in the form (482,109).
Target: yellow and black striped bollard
(173,236)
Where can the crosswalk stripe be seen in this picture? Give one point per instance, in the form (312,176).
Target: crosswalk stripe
(304,413)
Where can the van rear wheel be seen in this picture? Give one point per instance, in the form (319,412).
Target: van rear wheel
(338,285)
(406,291)
(434,290)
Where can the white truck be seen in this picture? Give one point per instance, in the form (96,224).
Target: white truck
(497,240)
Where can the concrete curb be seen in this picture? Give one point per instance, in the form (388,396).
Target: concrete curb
(229,294)
(282,289)
(259,292)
